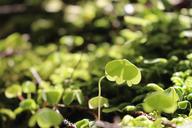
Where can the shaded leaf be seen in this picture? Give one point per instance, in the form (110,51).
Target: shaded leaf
(68,96)
(8,112)
(47,118)
(84,123)
(28,104)
(112,109)
(79,96)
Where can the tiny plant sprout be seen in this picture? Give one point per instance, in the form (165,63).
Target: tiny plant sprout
(116,70)
(28,87)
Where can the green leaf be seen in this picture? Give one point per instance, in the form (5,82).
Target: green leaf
(180,92)
(155,87)
(190,113)
(122,71)
(188,81)
(13,91)
(165,101)
(126,120)
(177,80)
(28,104)
(48,118)
(189,97)
(129,108)
(79,96)
(52,96)
(8,112)
(171,92)
(28,87)
(84,123)
(32,120)
(18,110)
(183,104)
(112,109)
(94,102)
(68,96)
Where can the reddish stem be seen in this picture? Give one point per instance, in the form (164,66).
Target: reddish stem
(21,98)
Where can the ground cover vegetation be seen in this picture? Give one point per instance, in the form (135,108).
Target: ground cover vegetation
(92,64)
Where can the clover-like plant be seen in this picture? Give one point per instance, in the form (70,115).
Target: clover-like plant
(122,71)
(28,87)
(161,101)
(119,71)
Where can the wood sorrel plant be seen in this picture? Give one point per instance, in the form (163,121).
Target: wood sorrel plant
(119,71)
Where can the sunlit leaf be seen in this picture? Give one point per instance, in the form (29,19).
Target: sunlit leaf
(122,71)
(183,104)
(154,87)
(161,101)
(112,109)
(188,81)
(126,120)
(13,91)
(94,102)
(171,92)
(180,92)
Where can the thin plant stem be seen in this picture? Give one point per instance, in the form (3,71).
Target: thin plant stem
(99,95)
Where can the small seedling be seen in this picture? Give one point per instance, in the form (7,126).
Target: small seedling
(119,71)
